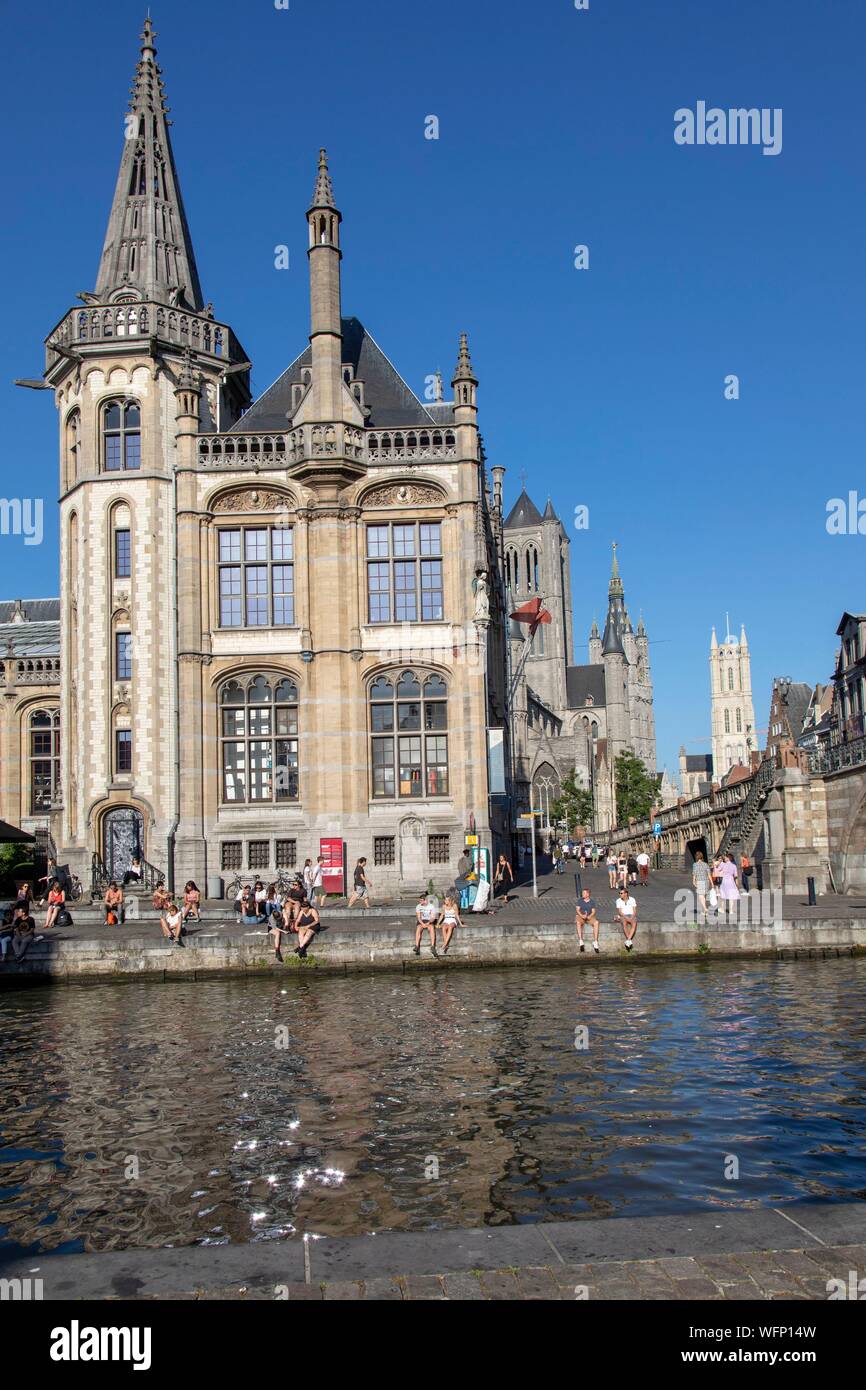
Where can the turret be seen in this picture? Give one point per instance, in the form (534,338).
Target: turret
(326,334)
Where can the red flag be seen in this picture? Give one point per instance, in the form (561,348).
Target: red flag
(533,613)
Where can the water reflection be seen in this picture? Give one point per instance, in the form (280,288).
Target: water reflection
(172,1114)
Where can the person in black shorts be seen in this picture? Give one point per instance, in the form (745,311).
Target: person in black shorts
(585,915)
(360,884)
(309,925)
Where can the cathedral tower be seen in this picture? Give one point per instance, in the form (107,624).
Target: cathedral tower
(733,714)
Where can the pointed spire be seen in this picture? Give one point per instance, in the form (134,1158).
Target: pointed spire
(617,619)
(323,193)
(641,630)
(148,247)
(594,632)
(713,641)
(549,513)
(743,642)
(615,588)
(463,370)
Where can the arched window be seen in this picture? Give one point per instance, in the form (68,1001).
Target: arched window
(730,677)
(73,447)
(535,570)
(727,721)
(121,435)
(259,736)
(44,760)
(408,735)
(739,721)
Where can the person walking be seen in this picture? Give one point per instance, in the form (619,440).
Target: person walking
(702,880)
(449,918)
(643,868)
(361,884)
(746,872)
(308,877)
(425,920)
(611,867)
(729,892)
(318,883)
(586,915)
(632,868)
(558,865)
(626,911)
(502,877)
(622,869)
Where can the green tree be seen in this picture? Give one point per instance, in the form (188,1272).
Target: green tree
(574,803)
(636,789)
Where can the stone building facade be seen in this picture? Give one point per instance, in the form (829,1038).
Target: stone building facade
(569,716)
(29,712)
(281,621)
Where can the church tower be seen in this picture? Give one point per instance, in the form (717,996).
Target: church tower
(134,368)
(733,714)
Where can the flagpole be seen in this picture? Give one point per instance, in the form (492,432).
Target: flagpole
(532,834)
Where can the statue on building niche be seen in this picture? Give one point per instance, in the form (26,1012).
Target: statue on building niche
(481,590)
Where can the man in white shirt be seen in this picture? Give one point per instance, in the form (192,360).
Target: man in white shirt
(626,912)
(425,920)
(643,864)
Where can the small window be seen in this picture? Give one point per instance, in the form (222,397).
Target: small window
(122,555)
(260,854)
(438,849)
(123,656)
(383,849)
(287,854)
(123,750)
(231,854)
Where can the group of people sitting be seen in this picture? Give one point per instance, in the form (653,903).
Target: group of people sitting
(294,913)
(429,917)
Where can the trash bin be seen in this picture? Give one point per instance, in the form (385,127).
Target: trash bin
(215,887)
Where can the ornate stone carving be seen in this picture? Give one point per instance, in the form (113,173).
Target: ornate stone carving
(253,500)
(403,495)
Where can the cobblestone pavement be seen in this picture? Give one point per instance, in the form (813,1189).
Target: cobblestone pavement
(761,1276)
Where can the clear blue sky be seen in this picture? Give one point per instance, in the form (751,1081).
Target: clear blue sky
(606,386)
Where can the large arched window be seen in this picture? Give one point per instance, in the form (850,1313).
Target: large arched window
(408,735)
(259,737)
(121,435)
(73,447)
(44,760)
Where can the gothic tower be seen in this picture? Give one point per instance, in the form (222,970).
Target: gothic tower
(537,565)
(134,370)
(733,714)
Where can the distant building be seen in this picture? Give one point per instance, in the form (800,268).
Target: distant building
(568,716)
(849,679)
(696,773)
(789,706)
(818,720)
(733,713)
(29,711)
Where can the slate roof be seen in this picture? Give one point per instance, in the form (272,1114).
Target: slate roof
(35,610)
(391,401)
(523,513)
(581,681)
(797,702)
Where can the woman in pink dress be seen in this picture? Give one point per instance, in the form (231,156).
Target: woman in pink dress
(729,891)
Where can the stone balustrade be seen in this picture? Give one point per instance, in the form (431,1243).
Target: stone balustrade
(121,322)
(42,670)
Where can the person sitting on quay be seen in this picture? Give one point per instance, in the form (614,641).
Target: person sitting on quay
(161,896)
(626,912)
(115,912)
(309,925)
(56,901)
(246,908)
(23,931)
(277,929)
(171,923)
(295,900)
(6,930)
(586,915)
(191,902)
(24,895)
(274,905)
(425,920)
(449,918)
(133,873)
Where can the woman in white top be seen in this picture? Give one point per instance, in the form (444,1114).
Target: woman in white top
(449,918)
(611,868)
(172,923)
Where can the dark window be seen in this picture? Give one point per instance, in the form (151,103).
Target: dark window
(121,435)
(44,760)
(404,573)
(287,854)
(414,763)
(259,854)
(122,555)
(438,849)
(383,849)
(259,734)
(231,854)
(123,750)
(256,577)
(123,656)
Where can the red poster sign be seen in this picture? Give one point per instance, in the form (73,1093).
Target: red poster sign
(333,866)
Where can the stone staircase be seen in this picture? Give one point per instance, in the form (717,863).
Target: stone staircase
(744,828)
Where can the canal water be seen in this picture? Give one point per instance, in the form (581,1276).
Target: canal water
(173,1114)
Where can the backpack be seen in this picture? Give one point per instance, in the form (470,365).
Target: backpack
(64,918)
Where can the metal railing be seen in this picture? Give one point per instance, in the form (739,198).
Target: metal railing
(838,757)
(740,824)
